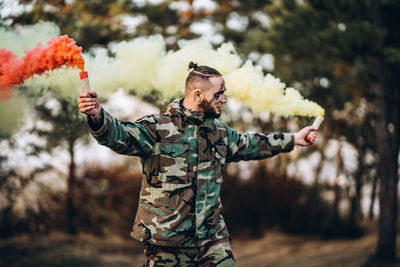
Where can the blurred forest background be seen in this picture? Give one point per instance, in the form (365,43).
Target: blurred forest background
(344,55)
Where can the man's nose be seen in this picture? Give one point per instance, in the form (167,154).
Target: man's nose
(223,99)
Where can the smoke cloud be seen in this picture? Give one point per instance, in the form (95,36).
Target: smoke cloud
(266,93)
(60,51)
(144,65)
(13,110)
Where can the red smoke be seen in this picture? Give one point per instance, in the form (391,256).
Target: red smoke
(58,52)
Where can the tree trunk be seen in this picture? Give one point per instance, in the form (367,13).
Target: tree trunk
(386,248)
(387,163)
(226,9)
(6,219)
(355,211)
(355,208)
(373,194)
(71,209)
(336,202)
(335,208)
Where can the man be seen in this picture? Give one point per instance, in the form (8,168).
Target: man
(183,151)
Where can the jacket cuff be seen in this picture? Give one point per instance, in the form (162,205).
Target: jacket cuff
(96,125)
(290,144)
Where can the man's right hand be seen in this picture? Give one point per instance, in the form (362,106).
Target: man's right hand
(88,104)
(300,136)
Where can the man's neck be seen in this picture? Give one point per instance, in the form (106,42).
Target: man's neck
(196,111)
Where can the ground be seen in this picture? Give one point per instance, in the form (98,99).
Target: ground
(274,249)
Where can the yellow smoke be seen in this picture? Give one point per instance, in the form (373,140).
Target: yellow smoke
(262,92)
(172,69)
(144,65)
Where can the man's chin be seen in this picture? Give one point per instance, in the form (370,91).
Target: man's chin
(210,111)
(212,115)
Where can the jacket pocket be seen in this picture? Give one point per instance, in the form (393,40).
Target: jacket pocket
(174,149)
(173,162)
(151,221)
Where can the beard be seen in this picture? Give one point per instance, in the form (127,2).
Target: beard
(209,111)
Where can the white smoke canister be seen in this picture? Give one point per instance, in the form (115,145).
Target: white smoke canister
(85,82)
(317,122)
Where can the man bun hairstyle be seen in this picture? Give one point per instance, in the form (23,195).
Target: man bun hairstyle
(193,65)
(199,74)
(202,70)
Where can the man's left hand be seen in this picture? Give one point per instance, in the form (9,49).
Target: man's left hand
(300,136)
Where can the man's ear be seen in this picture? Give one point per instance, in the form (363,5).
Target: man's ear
(198,96)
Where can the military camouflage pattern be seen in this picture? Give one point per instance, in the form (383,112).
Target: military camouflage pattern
(217,253)
(183,160)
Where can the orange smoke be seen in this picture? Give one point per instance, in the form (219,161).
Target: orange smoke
(59,51)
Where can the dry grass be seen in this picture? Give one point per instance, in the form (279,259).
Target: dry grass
(64,250)
(274,249)
(277,249)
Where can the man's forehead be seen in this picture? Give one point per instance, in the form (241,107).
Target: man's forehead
(217,82)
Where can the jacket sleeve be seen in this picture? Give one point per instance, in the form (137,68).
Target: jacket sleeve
(128,138)
(257,146)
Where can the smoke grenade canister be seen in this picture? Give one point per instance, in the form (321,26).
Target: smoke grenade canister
(317,122)
(85,81)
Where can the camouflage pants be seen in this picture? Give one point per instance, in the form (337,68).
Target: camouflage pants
(218,253)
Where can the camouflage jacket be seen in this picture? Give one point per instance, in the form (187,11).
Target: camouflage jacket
(183,161)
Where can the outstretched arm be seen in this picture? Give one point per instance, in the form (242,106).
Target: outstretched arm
(258,146)
(129,138)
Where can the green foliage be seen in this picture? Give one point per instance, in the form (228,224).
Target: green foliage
(87,22)
(333,40)
(350,44)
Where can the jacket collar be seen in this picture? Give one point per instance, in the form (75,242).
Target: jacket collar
(176,108)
